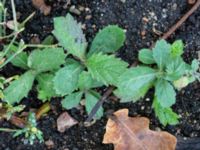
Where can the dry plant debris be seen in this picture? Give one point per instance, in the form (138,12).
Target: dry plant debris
(40,4)
(133,133)
(65,121)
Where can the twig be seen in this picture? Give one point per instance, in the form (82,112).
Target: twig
(99,103)
(165,36)
(181,21)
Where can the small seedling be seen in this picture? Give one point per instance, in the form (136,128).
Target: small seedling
(31,131)
(167,71)
(90,67)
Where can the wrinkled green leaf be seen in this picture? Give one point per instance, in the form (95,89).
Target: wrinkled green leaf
(19,89)
(66,79)
(146,56)
(72,100)
(70,35)
(108,40)
(48,59)
(177,48)
(165,93)
(45,86)
(161,53)
(86,81)
(105,68)
(175,69)
(135,82)
(165,115)
(90,100)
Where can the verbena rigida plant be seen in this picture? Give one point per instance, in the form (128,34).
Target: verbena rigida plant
(164,69)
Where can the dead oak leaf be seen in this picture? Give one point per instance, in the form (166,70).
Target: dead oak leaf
(65,121)
(40,4)
(133,133)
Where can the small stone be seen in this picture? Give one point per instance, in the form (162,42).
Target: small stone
(143,33)
(143,107)
(73,9)
(81,8)
(123,1)
(145,19)
(147,99)
(88,17)
(191,2)
(87,9)
(49,144)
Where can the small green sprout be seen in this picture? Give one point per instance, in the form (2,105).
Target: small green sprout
(31,131)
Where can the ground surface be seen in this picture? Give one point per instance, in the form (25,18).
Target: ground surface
(161,15)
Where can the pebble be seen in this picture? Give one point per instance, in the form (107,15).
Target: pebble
(73,9)
(147,99)
(123,1)
(142,107)
(88,17)
(49,144)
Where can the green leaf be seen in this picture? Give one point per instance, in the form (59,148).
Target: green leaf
(161,53)
(134,96)
(165,93)
(146,56)
(86,81)
(195,65)
(165,115)
(90,101)
(177,48)
(45,86)
(20,60)
(70,36)
(20,88)
(175,69)
(72,100)
(134,83)
(48,59)
(48,40)
(181,83)
(108,40)
(66,79)
(106,68)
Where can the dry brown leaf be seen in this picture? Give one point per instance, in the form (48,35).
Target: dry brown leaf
(133,133)
(65,121)
(40,4)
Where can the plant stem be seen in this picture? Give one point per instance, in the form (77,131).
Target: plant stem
(26,20)
(14,15)
(40,46)
(8,130)
(8,48)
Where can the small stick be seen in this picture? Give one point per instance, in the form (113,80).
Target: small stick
(165,36)
(99,103)
(181,21)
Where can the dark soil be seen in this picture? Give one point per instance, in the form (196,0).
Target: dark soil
(161,14)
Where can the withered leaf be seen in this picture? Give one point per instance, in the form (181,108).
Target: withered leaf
(133,133)
(40,4)
(65,121)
